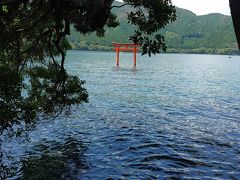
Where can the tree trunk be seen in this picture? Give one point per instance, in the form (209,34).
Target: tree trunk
(235,11)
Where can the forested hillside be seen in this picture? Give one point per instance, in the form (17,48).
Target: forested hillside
(212,33)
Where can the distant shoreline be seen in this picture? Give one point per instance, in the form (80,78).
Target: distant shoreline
(227,51)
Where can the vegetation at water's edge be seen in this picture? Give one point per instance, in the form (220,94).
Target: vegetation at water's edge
(208,34)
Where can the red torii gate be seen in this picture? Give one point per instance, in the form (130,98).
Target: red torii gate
(126,47)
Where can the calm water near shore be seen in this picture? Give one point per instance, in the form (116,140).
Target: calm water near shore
(174,116)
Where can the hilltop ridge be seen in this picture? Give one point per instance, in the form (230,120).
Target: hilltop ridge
(211,33)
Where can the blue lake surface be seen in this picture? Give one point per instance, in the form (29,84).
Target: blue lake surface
(174,116)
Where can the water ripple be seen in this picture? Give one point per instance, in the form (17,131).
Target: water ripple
(175,117)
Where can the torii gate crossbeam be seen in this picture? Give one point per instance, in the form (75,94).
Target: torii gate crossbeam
(126,47)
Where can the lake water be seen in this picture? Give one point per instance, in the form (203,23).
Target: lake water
(174,116)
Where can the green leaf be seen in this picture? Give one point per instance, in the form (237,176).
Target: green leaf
(4,9)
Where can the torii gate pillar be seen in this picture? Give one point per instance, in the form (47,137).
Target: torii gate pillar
(126,47)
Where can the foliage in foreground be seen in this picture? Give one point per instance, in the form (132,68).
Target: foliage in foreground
(33,79)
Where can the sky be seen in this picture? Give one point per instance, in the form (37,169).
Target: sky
(202,7)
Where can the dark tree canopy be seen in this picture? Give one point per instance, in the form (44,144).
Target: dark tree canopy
(33,80)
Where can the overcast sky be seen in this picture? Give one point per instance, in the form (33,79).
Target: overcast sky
(201,7)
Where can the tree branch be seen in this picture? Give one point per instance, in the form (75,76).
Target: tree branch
(6,2)
(119,6)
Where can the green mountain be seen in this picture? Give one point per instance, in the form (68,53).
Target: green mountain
(212,33)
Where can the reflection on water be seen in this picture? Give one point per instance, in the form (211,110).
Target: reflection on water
(54,160)
(174,116)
